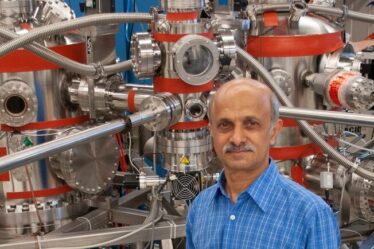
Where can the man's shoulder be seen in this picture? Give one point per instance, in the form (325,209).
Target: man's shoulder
(300,196)
(206,195)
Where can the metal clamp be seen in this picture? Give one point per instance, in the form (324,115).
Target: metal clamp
(356,164)
(100,71)
(343,17)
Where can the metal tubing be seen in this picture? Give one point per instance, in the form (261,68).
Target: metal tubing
(261,8)
(91,221)
(162,230)
(327,116)
(142,117)
(44,150)
(119,100)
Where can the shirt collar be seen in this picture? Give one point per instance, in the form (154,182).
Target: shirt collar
(261,190)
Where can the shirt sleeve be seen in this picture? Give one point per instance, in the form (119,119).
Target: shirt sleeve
(189,228)
(323,231)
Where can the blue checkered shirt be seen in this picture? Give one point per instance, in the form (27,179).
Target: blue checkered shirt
(273,212)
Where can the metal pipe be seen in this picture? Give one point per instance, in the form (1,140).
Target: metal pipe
(155,209)
(340,12)
(44,150)
(261,8)
(139,86)
(327,116)
(142,117)
(119,100)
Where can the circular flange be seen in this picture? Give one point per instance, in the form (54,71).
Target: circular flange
(362,94)
(145,55)
(18,103)
(168,107)
(227,47)
(362,194)
(195,109)
(196,59)
(89,167)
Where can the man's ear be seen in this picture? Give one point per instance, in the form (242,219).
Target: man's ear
(277,127)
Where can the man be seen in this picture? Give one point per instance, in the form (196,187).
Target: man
(252,205)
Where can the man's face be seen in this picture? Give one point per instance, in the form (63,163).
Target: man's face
(241,128)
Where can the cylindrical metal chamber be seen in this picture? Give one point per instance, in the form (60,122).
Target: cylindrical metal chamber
(180,5)
(289,45)
(189,63)
(186,151)
(34,110)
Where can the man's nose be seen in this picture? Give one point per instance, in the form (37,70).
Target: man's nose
(238,136)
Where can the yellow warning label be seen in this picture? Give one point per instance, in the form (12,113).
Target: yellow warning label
(185,160)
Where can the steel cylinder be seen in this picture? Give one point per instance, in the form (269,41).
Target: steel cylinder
(32,96)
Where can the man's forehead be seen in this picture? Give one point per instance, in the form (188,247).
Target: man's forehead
(238,108)
(238,94)
(243,117)
(241,91)
(242,99)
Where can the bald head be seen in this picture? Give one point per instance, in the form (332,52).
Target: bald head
(234,87)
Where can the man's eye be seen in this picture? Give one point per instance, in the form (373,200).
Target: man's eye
(223,125)
(252,124)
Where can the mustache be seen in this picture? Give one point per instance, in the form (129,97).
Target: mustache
(238,148)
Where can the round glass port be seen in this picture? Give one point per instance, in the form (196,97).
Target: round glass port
(197,60)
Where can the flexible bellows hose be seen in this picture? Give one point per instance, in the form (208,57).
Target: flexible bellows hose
(52,56)
(99,19)
(66,63)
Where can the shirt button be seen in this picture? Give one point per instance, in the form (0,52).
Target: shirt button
(232,217)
